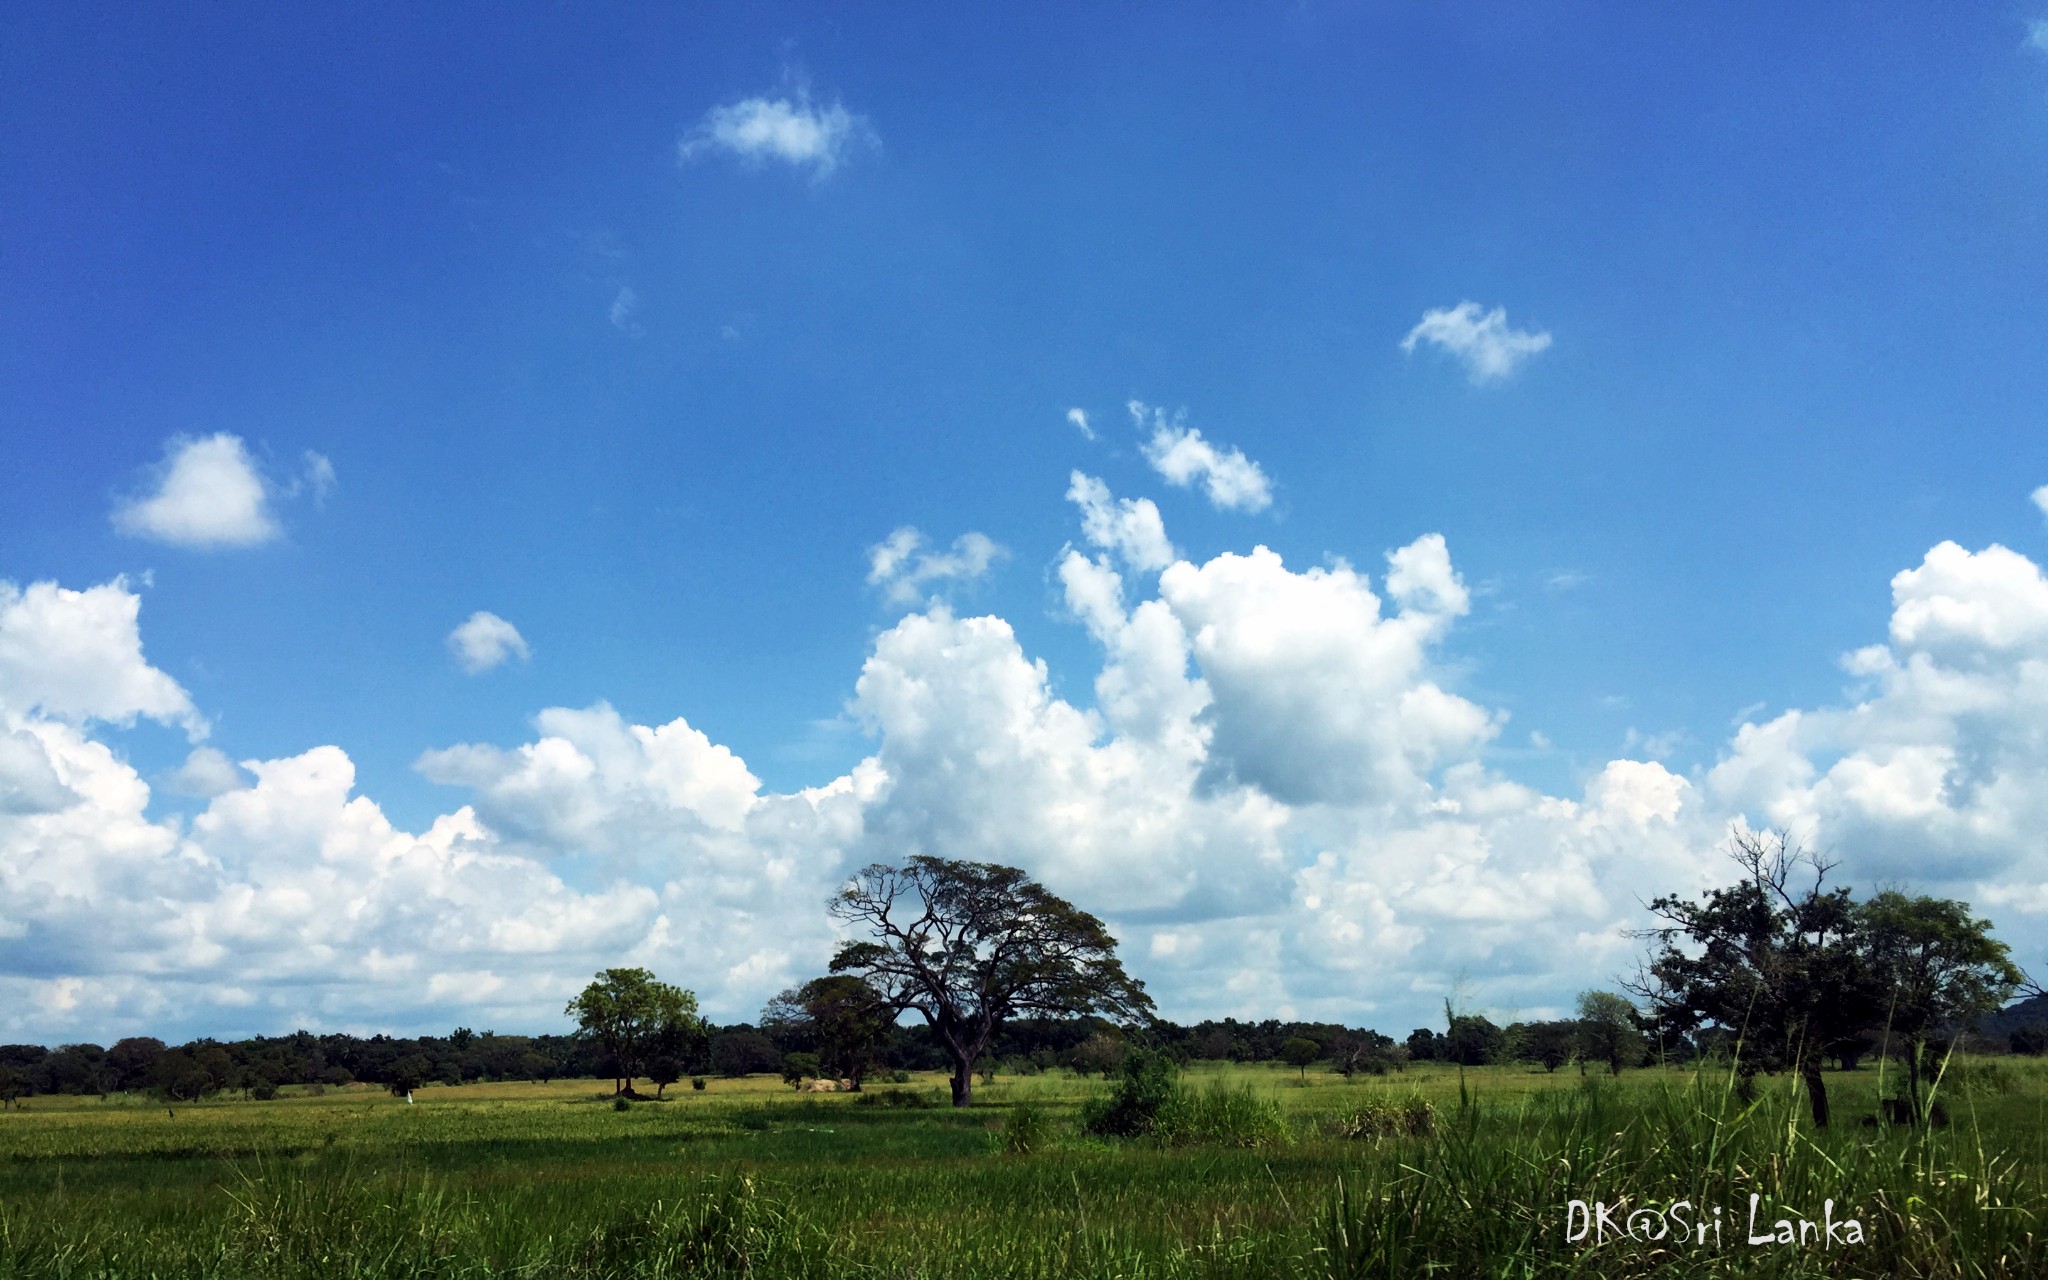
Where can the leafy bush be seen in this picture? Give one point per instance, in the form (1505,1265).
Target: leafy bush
(697,1083)
(1144,1084)
(620,1104)
(1220,1116)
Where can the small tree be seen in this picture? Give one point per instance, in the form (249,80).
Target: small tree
(1608,1031)
(1550,1043)
(798,1067)
(1935,968)
(1299,1052)
(969,945)
(838,1017)
(633,1016)
(1775,959)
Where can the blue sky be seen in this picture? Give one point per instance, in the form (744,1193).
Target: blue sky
(642,330)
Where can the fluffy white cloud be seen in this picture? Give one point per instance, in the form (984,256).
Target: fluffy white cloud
(795,131)
(1131,527)
(1178,452)
(1272,797)
(77,656)
(1481,339)
(486,640)
(209,492)
(904,569)
(206,773)
(1318,698)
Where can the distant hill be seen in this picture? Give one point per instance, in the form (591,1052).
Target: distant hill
(2030,1012)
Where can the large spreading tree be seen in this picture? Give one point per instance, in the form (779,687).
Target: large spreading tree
(969,945)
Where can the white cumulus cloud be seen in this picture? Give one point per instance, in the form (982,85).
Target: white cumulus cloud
(1275,797)
(1231,481)
(1131,527)
(795,131)
(1482,339)
(207,493)
(486,640)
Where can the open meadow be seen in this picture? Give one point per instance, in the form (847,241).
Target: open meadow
(1262,1175)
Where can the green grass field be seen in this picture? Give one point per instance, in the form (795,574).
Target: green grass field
(749,1178)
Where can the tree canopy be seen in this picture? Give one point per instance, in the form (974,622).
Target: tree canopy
(636,1017)
(970,944)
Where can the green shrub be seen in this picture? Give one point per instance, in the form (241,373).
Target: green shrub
(697,1083)
(1026,1130)
(1220,1116)
(1145,1082)
(1377,1118)
(894,1098)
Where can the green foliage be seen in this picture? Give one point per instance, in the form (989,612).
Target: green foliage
(1608,1031)
(1144,1084)
(1025,1130)
(971,945)
(914,1098)
(799,1067)
(1221,1116)
(493,1182)
(636,1017)
(1299,1052)
(1383,1117)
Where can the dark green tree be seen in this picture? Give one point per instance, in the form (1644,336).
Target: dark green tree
(1608,1032)
(799,1067)
(1299,1052)
(633,1016)
(1776,958)
(1937,971)
(1550,1043)
(969,945)
(839,1017)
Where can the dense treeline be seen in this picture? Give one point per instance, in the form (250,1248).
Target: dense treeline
(260,1066)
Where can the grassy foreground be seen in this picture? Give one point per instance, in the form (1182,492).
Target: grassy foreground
(1280,1179)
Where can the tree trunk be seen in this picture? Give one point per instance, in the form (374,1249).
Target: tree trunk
(963,1081)
(1816,1091)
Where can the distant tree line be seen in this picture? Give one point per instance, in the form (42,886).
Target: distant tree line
(1010,979)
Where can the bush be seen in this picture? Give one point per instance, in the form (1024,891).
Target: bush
(620,1104)
(1377,1118)
(1145,1082)
(262,1091)
(2030,1040)
(697,1083)
(893,1098)
(1027,1130)
(1220,1116)
(899,1076)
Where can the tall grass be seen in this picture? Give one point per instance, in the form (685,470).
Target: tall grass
(1238,1178)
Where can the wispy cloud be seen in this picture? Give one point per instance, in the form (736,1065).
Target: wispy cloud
(1481,339)
(1079,417)
(2037,34)
(902,566)
(625,311)
(795,131)
(1231,481)
(485,641)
